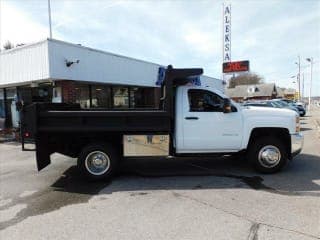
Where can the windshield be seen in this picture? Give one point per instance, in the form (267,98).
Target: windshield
(281,103)
(276,104)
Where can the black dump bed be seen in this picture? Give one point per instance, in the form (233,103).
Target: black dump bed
(60,117)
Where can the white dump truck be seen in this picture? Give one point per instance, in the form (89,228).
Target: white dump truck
(191,120)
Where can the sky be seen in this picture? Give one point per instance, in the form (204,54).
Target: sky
(185,33)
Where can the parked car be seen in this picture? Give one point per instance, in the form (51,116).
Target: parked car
(302,108)
(299,105)
(261,104)
(277,103)
(303,104)
(284,104)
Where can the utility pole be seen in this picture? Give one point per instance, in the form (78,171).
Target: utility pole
(298,78)
(302,90)
(0,27)
(49,14)
(311,63)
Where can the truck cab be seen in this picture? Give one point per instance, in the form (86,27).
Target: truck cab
(203,125)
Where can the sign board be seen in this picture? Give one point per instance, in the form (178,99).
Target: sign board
(227,33)
(239,66)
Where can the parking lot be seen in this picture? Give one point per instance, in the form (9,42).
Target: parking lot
(218,198)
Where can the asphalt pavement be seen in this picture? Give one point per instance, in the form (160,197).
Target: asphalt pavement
(218,198)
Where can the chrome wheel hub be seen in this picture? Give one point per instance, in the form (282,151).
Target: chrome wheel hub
(97,163)
(269,156)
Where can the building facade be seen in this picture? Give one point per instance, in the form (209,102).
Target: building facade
(243,93)
(57,71)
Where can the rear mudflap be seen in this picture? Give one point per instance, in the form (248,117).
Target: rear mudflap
(42,153)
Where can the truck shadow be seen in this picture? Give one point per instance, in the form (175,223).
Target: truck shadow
(219,173)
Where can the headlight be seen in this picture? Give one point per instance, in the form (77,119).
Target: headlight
(297,124)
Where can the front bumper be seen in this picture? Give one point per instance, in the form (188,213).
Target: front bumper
(296,144)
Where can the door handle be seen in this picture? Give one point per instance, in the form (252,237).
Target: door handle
(191,118)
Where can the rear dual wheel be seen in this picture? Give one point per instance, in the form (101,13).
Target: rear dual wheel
(98,161)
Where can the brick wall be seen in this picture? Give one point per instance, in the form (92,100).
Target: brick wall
(68,91)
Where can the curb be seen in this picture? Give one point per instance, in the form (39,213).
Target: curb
(7,140)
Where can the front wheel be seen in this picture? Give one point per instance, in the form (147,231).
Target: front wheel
(98,161)
(268,154)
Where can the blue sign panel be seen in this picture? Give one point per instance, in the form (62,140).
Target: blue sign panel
(195,80)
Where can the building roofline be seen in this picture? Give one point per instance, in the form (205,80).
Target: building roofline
(74,45)
(83,47)
(28,45)
(101,51)
(110,53)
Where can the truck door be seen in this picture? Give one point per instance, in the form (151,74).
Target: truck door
(205,127)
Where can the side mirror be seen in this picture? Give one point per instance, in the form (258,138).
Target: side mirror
(227,105)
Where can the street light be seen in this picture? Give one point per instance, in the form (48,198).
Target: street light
(298,76)
(297,90)
(311,63)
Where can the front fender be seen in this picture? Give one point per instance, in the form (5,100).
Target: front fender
(266,123)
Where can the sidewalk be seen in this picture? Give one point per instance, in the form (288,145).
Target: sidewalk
(315,116)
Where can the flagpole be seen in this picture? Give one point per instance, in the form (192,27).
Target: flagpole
(0,27)
(49,14)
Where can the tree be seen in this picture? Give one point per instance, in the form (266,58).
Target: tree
(20,44)
(245,79)
(8,45)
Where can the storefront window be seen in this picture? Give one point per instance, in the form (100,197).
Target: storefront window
(116,97)
(43,93)
(2,112)
(11,95)
(101,96)
(142,97)
(82,95)
(25,94)
(120,97)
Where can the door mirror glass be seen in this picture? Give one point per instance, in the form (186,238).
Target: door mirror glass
(227,105)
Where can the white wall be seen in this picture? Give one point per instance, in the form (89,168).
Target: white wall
(98,66)
(24,64)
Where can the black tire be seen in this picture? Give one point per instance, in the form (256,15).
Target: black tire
(105,153)
(263,145)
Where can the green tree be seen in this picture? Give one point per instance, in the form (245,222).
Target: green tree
(245,79)
(8,45)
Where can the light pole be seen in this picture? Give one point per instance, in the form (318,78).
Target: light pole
(311,63)
(298,89)
(302,87)
(298,78)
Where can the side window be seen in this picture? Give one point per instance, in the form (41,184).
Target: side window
(204,101)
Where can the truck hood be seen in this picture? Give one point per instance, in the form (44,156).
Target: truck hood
(269,117)
(268,111)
